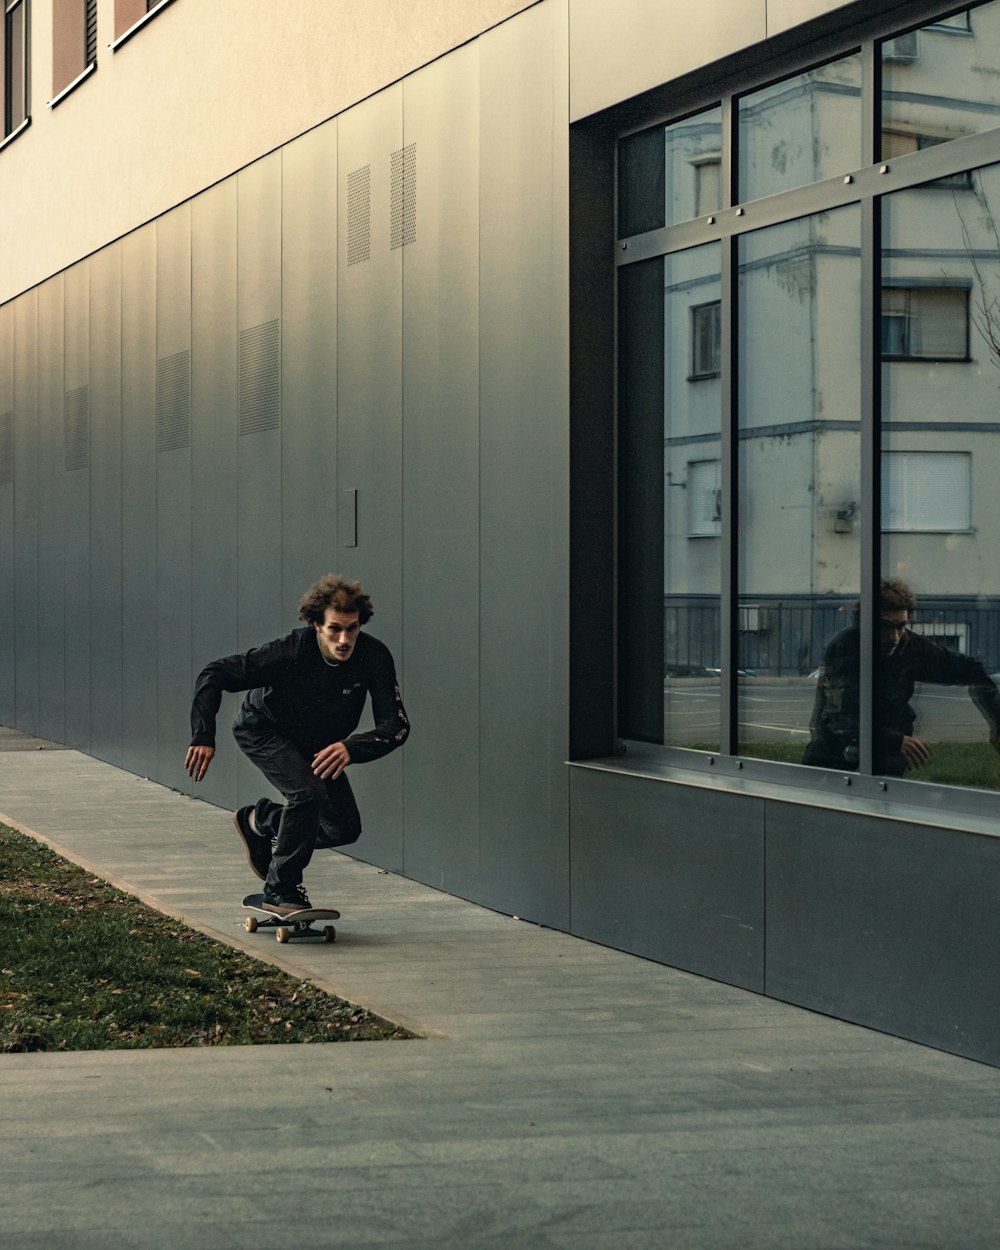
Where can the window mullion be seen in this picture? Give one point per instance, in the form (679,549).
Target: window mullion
(871,503)
(730,499)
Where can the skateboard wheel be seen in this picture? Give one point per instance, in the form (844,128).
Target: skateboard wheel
(330,932)
(283,934)
(250,924)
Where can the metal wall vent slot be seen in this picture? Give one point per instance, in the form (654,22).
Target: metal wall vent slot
(359,215)
(6,449)
(403,197)
(76,428)
(173,402)
(260,377)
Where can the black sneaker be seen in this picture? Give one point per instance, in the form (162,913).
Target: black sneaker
(290,898)
(257,845)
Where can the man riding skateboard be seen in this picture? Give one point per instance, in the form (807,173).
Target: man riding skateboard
(306,693)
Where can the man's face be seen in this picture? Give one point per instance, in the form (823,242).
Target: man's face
(891,628)
(337,634)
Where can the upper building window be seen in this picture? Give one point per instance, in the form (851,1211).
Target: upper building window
(74,42)
(129,13)
(15,65)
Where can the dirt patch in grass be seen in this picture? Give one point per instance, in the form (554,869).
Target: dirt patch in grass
(84,966)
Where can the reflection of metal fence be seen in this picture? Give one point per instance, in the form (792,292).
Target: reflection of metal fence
(785,637)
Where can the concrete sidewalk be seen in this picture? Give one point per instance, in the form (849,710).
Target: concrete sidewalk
(566,1095)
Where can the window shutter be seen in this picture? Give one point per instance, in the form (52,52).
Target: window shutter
(940,316)
(926,491)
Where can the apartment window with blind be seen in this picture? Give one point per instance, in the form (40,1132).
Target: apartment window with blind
(925,323)
(15,65)
(926,491)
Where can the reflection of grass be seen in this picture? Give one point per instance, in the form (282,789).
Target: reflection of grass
(952,763)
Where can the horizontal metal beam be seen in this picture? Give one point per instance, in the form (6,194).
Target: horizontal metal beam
(882,178)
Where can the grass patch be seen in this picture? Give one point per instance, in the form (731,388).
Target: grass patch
(86,967)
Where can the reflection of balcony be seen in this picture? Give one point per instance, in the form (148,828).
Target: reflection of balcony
(785,636)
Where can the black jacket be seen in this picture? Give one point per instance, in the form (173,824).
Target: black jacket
(836,715)
(308,699)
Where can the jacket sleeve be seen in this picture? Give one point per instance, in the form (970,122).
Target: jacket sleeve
(260,666)
(947,668)
(392,727)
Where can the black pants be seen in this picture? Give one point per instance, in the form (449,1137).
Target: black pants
(315,812)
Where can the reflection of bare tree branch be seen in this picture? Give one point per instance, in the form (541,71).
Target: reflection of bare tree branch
(986,316)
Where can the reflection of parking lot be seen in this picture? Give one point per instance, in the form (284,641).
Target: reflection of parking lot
(778,709)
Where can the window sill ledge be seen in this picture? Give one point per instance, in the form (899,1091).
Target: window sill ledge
(14,133)
(829,793)
(137,26)
(926,360)
(71,87)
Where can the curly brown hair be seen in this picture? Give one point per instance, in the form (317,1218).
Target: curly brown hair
(894,596)
(334,591)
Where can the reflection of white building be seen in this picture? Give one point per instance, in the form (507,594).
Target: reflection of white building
(799,343)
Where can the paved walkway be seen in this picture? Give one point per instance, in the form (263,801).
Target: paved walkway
(565,1096)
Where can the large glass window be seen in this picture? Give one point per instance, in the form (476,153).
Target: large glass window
(801,130)
(670,497)
(937,706)
(799,468)
(670,173)
(807,416)
(940,82)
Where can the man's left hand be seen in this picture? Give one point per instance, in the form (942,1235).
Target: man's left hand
(331,761)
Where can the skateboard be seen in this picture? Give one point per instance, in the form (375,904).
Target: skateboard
(294,924)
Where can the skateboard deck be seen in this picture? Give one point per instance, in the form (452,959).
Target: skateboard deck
(296,924)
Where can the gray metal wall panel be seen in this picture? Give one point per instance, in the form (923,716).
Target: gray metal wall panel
(106,505)
(26,509)
(213,461)
(524,441)
(51,530)
(76,514)
(138,376)
(173,498)
(369,386)
(7,534)
(441,474)
(669,872)
(309,363)
(890,925)
(261,613)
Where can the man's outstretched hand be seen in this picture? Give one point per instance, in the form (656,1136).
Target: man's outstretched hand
(197,760)
(331,761)
(914,752)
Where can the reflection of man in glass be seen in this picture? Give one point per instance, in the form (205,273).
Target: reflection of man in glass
(904,659)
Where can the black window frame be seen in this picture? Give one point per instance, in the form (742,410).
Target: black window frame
(933,164)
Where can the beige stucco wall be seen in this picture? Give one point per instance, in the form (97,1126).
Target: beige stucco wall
(622,48)
(198,92)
